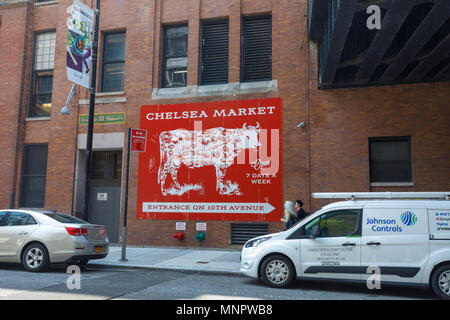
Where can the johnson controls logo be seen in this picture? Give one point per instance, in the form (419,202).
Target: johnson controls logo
(408,218)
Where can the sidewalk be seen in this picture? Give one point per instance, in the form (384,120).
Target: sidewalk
(182,259)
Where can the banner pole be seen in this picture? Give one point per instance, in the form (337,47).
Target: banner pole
(90,132)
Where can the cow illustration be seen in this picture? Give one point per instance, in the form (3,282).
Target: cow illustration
(216,147)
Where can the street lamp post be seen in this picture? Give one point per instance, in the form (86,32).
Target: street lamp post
(90,132)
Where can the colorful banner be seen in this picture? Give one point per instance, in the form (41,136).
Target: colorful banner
(79,43)
(212,161)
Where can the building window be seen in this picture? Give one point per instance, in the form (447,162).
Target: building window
(44,58)
(256,54)
(113,62)
(390,160)
(34,173)
(175,57)
(214,53)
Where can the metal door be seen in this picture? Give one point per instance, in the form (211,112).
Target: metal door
(104,209)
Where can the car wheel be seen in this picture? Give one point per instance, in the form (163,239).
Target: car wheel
(35,258)
(440,282)
(83,264)
(277,271)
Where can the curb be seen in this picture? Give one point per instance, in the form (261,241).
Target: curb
(235,273)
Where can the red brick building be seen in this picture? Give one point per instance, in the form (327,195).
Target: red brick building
(374,102)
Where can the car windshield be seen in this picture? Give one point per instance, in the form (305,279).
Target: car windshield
(64,218)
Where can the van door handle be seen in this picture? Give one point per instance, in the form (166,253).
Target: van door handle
(23,233)
(373,243)
(349,244)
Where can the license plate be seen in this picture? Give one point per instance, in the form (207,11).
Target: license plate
(98,249)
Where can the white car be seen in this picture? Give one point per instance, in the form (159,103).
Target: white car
(38,238)
(398,241)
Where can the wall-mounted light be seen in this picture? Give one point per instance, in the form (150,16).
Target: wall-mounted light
(301,125)
(65,110)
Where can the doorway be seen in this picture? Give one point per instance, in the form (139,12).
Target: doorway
(105,191)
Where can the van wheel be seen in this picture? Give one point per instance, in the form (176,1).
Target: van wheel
(277,271)
(35,258)
(440,282)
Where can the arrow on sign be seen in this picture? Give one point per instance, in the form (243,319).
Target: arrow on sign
(207,207)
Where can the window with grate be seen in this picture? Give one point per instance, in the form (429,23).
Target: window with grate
(390,159)
(256,55)
(106,167)
(34,174)
(242,232)
(44,59)
(214,52)
(113,62)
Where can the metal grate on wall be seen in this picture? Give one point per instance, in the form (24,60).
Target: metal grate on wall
(214,55)
(256,49)
(242,232)
(106,165)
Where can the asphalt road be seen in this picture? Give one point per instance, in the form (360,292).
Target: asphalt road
(133,284)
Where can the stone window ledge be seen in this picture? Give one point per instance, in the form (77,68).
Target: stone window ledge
(233,88)
(46,3)
(392,184)
(37,118)
(106,97)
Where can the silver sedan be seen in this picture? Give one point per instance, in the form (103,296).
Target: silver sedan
(38,238)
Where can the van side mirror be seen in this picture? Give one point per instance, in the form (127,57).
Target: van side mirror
(315,232)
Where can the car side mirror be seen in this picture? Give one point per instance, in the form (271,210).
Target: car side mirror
(315,232)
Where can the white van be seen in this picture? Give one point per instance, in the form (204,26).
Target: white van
(390,235)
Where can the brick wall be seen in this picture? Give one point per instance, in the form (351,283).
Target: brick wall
(343,120)
(13,28)
(329,154)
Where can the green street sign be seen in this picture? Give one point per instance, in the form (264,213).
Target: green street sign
(105,118)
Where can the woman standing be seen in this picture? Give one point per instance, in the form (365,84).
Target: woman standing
(289,217)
